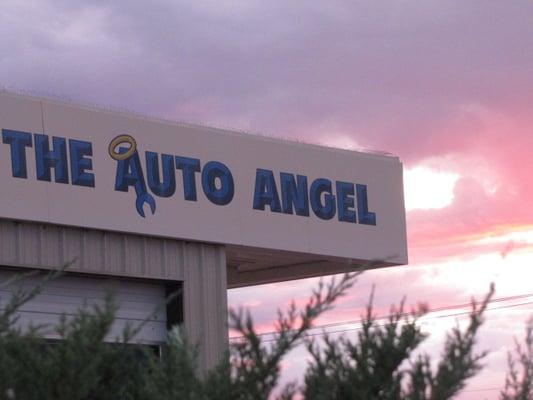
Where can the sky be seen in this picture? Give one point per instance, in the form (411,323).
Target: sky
(445,85)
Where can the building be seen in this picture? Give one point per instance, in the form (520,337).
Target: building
(146,206)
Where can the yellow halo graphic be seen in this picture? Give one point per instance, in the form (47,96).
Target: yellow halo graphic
(122,139)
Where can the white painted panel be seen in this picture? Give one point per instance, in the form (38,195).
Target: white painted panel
(236,223)
(67,294)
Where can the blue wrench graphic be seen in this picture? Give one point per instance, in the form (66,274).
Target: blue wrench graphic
(143,197)
(129,155)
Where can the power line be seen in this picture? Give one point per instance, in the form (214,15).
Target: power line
(432,310)
(385,317)
(481,390)
(382,325)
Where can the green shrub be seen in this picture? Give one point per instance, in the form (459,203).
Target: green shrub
(378,365)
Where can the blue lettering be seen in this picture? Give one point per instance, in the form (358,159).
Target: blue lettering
(318,187)
(189,167)
(365,217)
(46,158)
(168,187)
(18,141)
(129,173)
(212,172)
(80,162)
(294,194)
(266,193)
(345,201)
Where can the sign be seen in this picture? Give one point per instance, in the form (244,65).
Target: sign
(78,166)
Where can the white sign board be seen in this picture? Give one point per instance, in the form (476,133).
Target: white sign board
(77,166)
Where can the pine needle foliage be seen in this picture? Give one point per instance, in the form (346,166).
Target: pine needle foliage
(378,364)
(519,382)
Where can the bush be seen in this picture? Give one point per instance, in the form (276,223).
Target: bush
(378,365)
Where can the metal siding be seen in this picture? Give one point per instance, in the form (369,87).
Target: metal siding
(52,245)
(34,245)
(205,301)
(8,242)
(134,255)
(153,253)
(115,254)
(73,245)
(93,256)
(201,267)
(29,244)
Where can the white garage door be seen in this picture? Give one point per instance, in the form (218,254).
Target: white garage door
(67,294)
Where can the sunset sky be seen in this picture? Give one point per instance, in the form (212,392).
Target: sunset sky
(445,85)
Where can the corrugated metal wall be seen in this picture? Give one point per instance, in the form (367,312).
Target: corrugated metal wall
(201,267)
(49,246)
(205,301)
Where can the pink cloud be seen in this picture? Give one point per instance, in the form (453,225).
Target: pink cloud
(441,84)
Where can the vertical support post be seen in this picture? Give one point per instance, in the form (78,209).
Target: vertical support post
(205,304)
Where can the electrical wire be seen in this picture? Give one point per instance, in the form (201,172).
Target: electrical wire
(382,325)
(430,311)
(386,317)
(481,390)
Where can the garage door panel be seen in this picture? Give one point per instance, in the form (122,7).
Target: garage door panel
(136,302)
(71,306)
(153,332)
